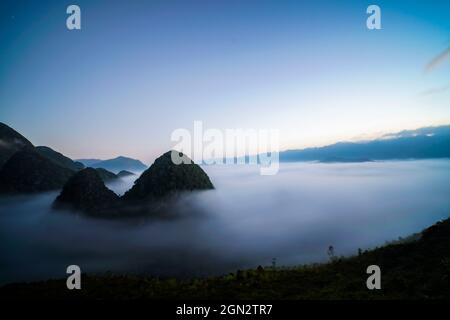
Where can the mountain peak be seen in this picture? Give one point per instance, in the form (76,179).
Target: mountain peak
(86,191)
(164,178)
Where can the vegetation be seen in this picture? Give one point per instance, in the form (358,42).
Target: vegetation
(28,171)
(10,142)
(125,173)
(86,191)
(59,158)
(165,178)
(106,175)
(418,269)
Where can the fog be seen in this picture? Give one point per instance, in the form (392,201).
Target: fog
(245,222)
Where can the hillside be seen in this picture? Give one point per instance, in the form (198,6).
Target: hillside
(125,173)
(59,158)
(165,178)
(106,175)
(10,142)
(86,191)
(28,171)
(418,269)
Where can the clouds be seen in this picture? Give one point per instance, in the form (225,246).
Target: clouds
(438,60)
(249,219)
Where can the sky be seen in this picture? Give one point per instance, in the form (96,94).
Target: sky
(138,70)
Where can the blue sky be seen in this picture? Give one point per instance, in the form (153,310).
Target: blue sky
(140,69)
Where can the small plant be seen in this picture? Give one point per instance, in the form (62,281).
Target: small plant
(330,253)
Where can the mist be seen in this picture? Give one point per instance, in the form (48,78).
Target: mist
(246,221)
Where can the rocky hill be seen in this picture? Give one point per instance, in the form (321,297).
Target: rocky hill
(86,191)
(165,178)
(106,175)
(125,173)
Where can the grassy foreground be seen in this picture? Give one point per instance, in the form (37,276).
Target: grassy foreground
(418,269)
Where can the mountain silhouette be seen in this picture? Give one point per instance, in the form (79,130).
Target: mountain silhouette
(423,143)
(125,173)
(25,168)
(165,178)
(10,142)
(59,158)
(106,175)
(116,165)
(28,171)
(86,191)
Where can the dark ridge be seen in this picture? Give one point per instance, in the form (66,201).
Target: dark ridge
(87,192)
(106,175)
(59,158)
(165,178)
(28,172)
(125,173)
(10,142)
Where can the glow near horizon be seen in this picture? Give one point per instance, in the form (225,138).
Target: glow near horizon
(135,73)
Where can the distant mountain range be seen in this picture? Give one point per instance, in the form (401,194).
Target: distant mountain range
(115,165)
(25,168)
(88,162)
(429,142)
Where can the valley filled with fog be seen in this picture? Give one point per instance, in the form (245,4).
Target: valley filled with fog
(246,221)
